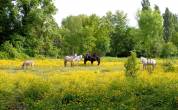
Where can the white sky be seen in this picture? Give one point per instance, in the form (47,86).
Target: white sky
(100,7)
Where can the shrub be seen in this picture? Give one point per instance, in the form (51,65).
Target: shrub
(169,49)
(4,55)
(168,66)
(10,50)
(131,66)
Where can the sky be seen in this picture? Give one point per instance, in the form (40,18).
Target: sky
(100,7)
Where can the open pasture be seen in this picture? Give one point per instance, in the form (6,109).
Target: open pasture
(51,86)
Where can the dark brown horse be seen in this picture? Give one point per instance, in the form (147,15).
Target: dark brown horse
(92,58)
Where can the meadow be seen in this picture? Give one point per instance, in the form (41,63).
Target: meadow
(51,86)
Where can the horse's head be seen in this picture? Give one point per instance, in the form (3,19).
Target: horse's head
(80,56)
(142,58)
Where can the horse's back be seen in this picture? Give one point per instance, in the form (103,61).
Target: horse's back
(28,62)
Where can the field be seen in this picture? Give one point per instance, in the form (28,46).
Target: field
(51,86)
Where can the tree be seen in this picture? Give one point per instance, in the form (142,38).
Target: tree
(150,24)
(145,4)
(30,22)
(168,25)
(131,66)
(156,8)
(102,33)
(174,38)
(120,34)
(86,33)
(169,50)
(77,34)
(9,22)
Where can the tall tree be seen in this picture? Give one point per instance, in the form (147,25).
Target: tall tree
(174,37)
(9,22)
(145,4)
(168,26)
(122,37)
(29,21)
(150,24)
(85,33)
(156,7)
(118,24)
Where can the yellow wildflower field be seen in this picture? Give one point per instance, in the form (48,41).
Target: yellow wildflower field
(49,85)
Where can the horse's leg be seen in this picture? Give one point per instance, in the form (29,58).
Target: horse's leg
(98,62)
(71,63)
(92,62)
(144,67)
(65,63)
(85,61)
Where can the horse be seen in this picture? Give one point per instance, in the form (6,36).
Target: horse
(27,63)
(78,58)
(146,62)
(92,58)
(72,59)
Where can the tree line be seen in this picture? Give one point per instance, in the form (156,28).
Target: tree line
(28,29)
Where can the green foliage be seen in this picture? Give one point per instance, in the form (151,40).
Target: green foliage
(122,39)
(145,4)
(30,27)
(168,25)
(131,66)
(174,39)
(77,34)
(150,38)
(169,50)
(85,33)
(4,55)
(168,66)
(10,50)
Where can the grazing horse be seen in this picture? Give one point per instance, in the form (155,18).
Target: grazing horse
(92,58)
(146,62)
(78,58)
(27,63)
(72,59)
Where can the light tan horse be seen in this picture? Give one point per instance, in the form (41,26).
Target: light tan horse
(27,63)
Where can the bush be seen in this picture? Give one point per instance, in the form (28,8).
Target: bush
(168,66)
(131,66)
(8,51)
(4,55)
(53,52)
(18,41)
(169,49)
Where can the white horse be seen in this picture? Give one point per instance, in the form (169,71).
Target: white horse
(78,58)
(72,59)
(27,63)
(146,61)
